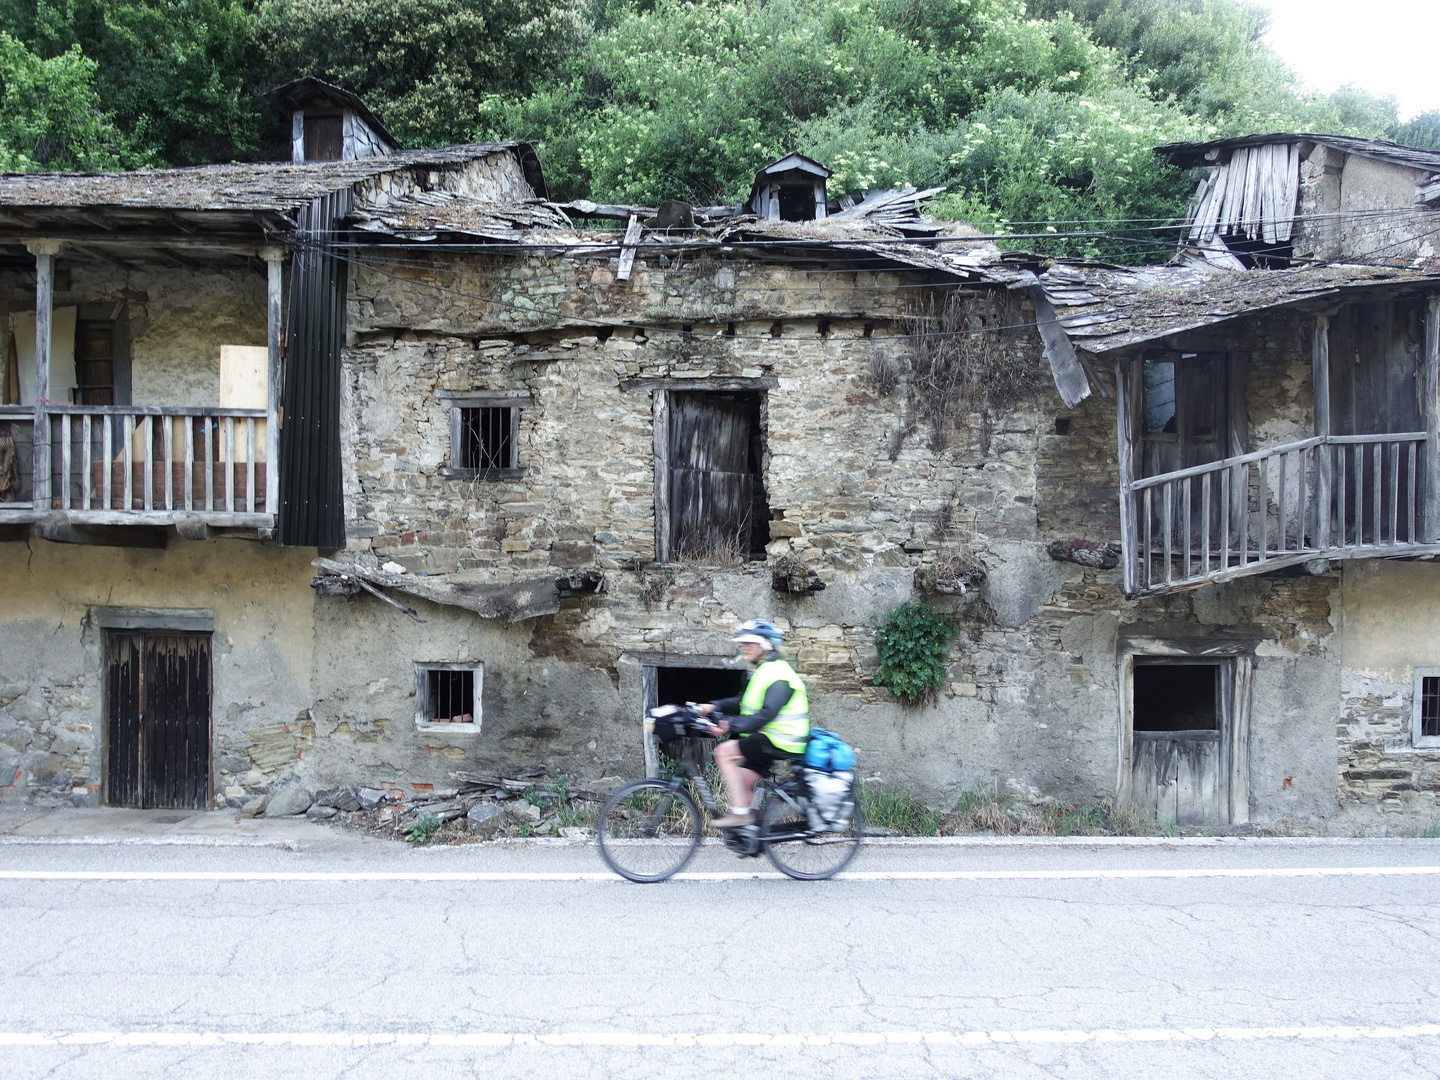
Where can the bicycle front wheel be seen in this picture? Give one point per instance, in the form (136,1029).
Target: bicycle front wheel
(801,853)
(648,830)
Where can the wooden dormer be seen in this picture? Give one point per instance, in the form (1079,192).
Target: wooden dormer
(791,189)
(330,124)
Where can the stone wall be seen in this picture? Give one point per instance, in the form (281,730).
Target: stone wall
(1391,626)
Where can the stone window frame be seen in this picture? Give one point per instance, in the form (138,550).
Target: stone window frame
(423,721)
(1418,738)
(517,401)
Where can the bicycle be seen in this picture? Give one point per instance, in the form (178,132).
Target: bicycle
(650,829)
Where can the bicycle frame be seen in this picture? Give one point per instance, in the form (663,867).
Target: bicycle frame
(688,768)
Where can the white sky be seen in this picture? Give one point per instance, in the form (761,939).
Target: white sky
(1384,46)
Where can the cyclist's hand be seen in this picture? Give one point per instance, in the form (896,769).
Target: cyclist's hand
(706,709)
(722,728)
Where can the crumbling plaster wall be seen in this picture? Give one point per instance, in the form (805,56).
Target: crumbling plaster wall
(1391,625)
(51,653)
(1355,207)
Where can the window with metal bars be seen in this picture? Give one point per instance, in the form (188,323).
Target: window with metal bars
(487,438)
(1426,731)
(484,433)
(448,694)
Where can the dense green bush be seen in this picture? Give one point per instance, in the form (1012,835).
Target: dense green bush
(914,648)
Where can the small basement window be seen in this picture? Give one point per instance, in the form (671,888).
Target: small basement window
(484,434)
(1426,731)
(1176,697)
(448,697)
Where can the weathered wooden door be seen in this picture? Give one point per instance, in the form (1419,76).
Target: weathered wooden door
(1186,422)
(1375,354)
(157,703)
(1179,761)
(712,486)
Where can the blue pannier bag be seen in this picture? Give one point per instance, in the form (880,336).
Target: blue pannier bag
(828,751)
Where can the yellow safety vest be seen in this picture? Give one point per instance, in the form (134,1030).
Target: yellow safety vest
(790,729)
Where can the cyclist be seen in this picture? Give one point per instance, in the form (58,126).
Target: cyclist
(771,719)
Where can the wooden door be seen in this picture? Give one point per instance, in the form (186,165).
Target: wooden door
(1375,352)
(712,487)
(1180,737)
(157,688)
(1185,422)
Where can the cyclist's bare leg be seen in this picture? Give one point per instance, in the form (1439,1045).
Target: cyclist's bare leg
(739,780)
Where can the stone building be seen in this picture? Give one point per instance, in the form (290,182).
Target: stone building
(368,471)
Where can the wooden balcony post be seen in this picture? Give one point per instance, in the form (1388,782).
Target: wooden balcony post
(1124,436)
(1430,410)
(273,327)
(1320,380)
(44,252)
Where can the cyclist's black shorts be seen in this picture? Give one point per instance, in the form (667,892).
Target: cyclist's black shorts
(758,753)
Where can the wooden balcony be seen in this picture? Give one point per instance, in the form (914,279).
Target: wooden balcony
(148,465)
(1325,497)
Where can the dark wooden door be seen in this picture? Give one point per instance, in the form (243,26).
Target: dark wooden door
(1186,423)
(712,487)
(1375,354)
(158,718)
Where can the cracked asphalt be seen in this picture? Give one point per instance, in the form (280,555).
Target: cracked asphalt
(365,960)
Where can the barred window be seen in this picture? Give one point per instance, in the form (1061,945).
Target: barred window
(1426,729)
(448,694)
(484,434)
(487,438)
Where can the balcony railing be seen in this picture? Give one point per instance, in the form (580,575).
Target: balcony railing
(1327,497)
(157,465)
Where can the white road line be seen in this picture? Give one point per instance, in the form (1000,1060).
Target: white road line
(733,875)
(716,1039)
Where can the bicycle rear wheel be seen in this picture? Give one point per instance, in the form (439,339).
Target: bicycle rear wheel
(810,856)
(648,830)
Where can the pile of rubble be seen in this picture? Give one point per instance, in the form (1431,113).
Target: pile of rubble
(519,803)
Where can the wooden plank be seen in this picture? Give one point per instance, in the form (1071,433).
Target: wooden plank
(1394,492)
(1168,492)
(1124,436)
(65,462)
(1243,459)
(1251,224)
(627,249)
(1290,194)
(1281,543)
(1225,520)
(127,429)
(1185,519)
(149,461)
(87,478)
(1266,158)
(188,476)
(1233,208)
(44,298)
(207,430)
(660,430)
(650,697)
(249,465)
(1205,524)
(1264,504)
(168,435)
(107,458)
(1430,411)
(1065,366)
(1320,381)
(229,465)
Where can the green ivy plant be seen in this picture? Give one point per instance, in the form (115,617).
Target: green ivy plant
(914,645)
(420,832)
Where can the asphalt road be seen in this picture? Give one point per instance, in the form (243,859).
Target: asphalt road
(1239,959)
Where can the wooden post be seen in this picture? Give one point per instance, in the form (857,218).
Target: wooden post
(1320,379)
(1124,437)
(1430,410)
(661,440)
(44,252)
(274,265)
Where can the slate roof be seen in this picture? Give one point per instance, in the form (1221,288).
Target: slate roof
(1102,310)
(245,187)
(1193,153)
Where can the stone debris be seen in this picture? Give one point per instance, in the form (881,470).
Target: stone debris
(369,798)
(288,801)
(340,798)
(321,812)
